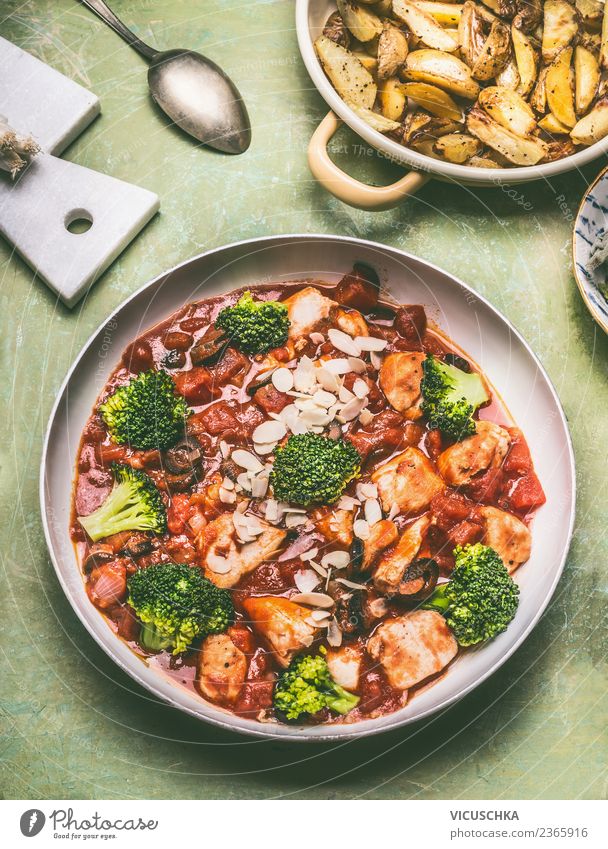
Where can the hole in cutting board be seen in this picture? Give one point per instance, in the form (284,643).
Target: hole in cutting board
(78,221)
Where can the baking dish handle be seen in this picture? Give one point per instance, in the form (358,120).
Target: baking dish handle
(345,187)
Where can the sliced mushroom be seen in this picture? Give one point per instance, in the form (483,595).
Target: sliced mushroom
(184,457)
(210,347)
(98,554)
(138,545)
(419,580)
(335,29)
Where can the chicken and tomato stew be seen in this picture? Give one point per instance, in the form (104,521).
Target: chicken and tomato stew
(302,502)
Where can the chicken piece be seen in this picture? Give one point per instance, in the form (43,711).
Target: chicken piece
(485,449)
(307,309)
(381,535)
(413,647)
(283,624)
(221,669)
(225,561)
(389,572)
(345,666)
(507,535)
(351,322)
(337,526)
(408,481)
(400,377)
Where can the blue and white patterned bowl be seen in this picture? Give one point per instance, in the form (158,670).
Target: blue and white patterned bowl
(590,226)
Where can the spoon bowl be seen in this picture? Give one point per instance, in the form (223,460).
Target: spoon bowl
(198,97)
(192,90)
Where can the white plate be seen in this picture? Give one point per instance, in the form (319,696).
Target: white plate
(590,225)
(466,317)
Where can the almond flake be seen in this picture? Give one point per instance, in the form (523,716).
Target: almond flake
(227,496)
(227,483)
(347,502)
(361,529)
(334,634)
(317,338)
(323,398)
(345,395)
(339,559)
(320,616)
(282,379)
(367,490)
(244,481)
(351,584)
(246,460)
(224,449)
(314,599)
(365,417)
(303,375)
(328,380)
(269,431)
(343,342)
(373,513)
(370,343)
(357,365)
(393,511)
(360,388)
(264,448)
(315,417)
(337,366)
(351,410)
(376,360)
(259,486)
(292,520)
(308,555)
(306,580)
(318,569)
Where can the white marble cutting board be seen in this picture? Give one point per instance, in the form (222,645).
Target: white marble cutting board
(36,209)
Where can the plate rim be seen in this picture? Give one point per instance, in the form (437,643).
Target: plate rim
(252,728)
(595,315)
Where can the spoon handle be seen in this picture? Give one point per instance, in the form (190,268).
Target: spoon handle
(106,14)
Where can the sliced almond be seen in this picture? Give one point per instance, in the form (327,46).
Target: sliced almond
(246,460)
(314,600)
(282,379)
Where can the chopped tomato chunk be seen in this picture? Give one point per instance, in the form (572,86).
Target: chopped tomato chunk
(197,385)
(486,487)
(518,460)
(527,493)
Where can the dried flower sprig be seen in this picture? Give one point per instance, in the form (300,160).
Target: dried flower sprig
(15,151)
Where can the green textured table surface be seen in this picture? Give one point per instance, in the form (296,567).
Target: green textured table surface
(72,725)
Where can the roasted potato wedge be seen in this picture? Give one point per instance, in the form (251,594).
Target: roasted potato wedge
(594,126)
(559,149)
(482,162)
(517,149)
(586,78)
(495,53)
(591,40)
(560,88)
(441,69)
(509,109)
(392,51)
(392,99)
(471,35)
(336,30)
(424,26)
(374,119)
(529,15)
(604,40)
(551,125)
(591,12)
(560,26)
(362,22)
(434,100)
(527,60)
(383,8)
(456,147)
(509,76)
(538,98)
(348,76)
(447,14)
(370,63)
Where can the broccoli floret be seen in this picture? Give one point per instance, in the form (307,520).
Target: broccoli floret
(481,599)
(255,326)
(146,412)
(176,604)
(311,468)
(450,396)
(134,504)
(307,687)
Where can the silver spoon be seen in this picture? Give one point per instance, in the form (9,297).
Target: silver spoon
(191,89)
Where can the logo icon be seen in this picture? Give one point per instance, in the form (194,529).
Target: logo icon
(32,822)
